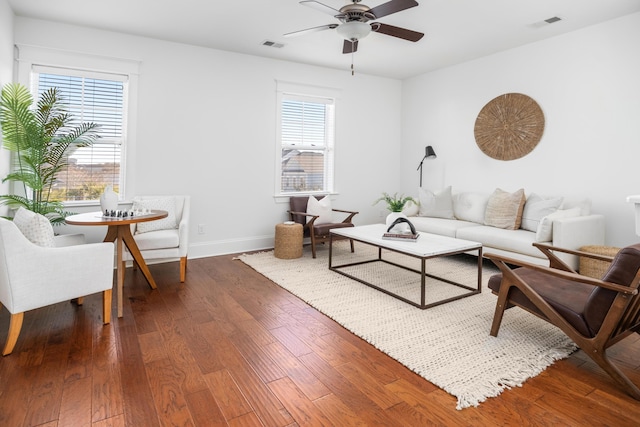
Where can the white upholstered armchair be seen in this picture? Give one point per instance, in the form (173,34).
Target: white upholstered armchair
(166,239)
(33,276)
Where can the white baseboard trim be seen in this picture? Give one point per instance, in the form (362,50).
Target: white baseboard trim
(231,246)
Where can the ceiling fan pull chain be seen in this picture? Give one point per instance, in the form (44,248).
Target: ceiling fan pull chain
(352,71)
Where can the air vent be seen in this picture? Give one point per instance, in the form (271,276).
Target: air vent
(272,44)
(546,22)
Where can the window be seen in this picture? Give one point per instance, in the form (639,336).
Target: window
(89,97)
(305,144)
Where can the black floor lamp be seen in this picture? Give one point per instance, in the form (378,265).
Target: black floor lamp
(428,154)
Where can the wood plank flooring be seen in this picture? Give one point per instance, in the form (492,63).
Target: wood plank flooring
(230,348)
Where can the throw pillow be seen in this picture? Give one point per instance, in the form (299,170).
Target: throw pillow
(162,203)
(504,209)
(537,207)
(436,205)
(322,208)
(545,229)
(470,206)
(35,227)
(411,209)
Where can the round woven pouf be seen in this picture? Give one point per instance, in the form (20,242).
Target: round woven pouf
(594,267)
(288,241)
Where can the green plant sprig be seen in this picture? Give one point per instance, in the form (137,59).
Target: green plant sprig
(395,203)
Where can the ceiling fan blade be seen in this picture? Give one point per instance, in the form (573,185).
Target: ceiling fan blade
(311,30)
(350,46)
(392,6)
(402,33)
(320,6)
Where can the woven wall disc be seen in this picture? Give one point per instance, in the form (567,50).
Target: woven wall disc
(509,126)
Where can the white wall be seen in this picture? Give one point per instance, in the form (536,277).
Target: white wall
(586,82)
(207,123)
(6,74)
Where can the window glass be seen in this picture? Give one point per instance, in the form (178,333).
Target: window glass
(90,97)
(306,141)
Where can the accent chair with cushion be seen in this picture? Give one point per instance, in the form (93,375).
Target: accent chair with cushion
(317,219)
(166,239)
(37,275)
(594,313)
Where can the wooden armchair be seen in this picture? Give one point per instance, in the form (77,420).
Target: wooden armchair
(319,233)
(594,313)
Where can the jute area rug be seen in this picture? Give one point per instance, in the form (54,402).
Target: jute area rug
(448,345)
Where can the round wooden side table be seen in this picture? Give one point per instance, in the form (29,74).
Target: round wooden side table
(288,241)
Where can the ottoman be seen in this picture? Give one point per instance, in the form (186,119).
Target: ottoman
(288,240)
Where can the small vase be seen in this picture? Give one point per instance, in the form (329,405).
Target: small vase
(399,228)
(109,200)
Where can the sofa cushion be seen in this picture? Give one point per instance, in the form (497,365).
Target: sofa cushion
(520,241)
(537,207)
(470,206)
(504,209)
(441,226)
(436,205)
(545,229)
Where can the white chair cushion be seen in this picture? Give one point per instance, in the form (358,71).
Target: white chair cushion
(160,239)
(162,203)
(322,208)
(35,227)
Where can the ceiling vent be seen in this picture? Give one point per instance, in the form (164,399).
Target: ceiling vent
(546,22)
(552,20)
(272,44)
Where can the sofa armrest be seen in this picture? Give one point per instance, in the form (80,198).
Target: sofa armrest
(575,232)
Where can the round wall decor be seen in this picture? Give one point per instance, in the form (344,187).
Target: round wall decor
(509,126)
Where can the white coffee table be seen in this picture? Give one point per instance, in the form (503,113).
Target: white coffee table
(427,246)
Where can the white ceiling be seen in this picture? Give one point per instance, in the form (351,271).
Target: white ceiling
(455,30)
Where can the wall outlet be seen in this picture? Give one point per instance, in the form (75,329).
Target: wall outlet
(201,229)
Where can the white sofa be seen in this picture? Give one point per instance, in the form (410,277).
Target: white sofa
(509,223)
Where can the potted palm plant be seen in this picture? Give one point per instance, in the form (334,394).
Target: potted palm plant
(41,141)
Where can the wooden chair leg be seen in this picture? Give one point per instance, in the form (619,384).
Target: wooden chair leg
(600,357)
(352,250)
(501,306)
(313,245)
(107,296)
(15,325)
(183,269)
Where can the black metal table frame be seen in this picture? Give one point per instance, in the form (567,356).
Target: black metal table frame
(423,273)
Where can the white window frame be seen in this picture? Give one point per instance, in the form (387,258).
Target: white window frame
(29,58)
(312,94)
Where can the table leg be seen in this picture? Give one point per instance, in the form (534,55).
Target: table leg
(124,234)
(119,275)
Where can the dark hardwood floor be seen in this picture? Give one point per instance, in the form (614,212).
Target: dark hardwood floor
(229,347)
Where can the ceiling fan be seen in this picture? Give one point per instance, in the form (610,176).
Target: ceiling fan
(355,23)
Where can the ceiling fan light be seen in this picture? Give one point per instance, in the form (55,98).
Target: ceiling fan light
(354,30)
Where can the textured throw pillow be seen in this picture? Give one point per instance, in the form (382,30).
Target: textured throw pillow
(162,203)
(545,229)
(436,205)
(411,209)
(470,207)
(504,209)
(537,207)
(322,208)
(35,227)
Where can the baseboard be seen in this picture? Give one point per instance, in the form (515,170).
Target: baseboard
(231,246)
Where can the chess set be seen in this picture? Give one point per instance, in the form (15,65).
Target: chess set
(125,214)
